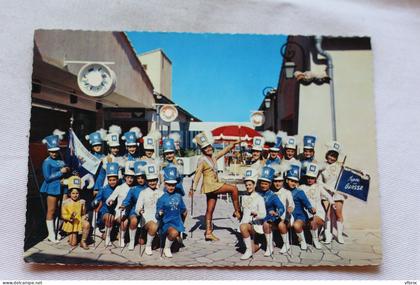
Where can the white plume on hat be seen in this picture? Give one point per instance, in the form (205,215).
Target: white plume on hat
(137,131)
(299,139)
(209,136)
(155,134)
(175,136)
(114,129)
(282,135)
(102,132)
(59,133)
(269,136)
(279,168)
(287,164)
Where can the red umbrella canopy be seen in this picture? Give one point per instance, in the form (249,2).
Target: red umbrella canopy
(234,132)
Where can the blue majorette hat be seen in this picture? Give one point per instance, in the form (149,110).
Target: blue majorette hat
(170,174)
(267,174)
(112,169)
(277,144)
(130,138)
(52,142)
(293,172)
(139,167)
(309,142)
(168,145)
(94,138)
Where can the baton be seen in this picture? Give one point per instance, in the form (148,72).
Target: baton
(192,205)
(121,225)
(253,236)
(94,228)
(160,235)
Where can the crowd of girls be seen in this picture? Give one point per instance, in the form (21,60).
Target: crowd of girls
(141,196)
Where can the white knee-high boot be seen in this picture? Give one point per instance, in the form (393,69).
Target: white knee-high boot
(51,231)
(315,240)
(302,241)
(132,234)
(149,241)
(248,251)
(327,231)
(167,249)
(108,236)
(340,227)
(269,239)
(122,241)
(286,244)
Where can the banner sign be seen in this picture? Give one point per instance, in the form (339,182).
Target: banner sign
(81,159)
(354,183)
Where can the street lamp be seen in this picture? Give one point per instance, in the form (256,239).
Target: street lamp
(305,77)
(288,55)
(267,103)
(268,92)
(289,69)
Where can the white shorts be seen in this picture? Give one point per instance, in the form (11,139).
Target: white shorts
(258,229)
(320,213)
(338,197)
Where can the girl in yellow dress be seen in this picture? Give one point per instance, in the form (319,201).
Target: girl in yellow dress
(74,215)
(211,185)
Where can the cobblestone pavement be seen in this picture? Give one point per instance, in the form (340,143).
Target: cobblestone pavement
(362,247)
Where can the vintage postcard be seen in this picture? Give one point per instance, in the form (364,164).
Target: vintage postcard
(202,150)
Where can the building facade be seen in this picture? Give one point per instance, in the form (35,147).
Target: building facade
(302,107)
(57,99)
(158,67)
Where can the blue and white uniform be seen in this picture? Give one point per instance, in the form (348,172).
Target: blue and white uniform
(96,138)
(52,176)
(301,204)
(131,199)
(130,139)
(271,200)
(172,206)
(103,194)
(179,188)
(272,203)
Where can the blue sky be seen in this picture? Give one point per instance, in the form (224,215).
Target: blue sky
(217,77)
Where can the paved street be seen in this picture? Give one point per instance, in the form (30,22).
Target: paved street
(360,248)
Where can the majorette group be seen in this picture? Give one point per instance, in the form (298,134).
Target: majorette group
(144,193)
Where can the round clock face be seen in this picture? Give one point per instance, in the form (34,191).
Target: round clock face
(168,113)
(257,118)
(96,80)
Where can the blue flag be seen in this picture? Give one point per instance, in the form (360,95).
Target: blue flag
(80,159)
(354,183)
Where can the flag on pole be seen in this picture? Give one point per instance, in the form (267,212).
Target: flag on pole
(79,158)
(354,183)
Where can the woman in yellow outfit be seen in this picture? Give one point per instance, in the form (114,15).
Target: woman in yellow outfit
(74,215)
(211,185)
